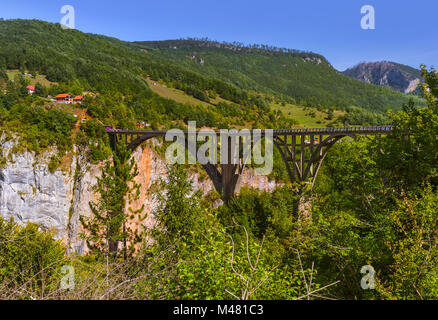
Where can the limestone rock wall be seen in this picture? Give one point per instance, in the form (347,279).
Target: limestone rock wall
(29,192)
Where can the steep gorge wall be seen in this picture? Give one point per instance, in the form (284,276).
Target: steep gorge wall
(29,192)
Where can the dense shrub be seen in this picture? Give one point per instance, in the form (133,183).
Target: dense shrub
(29,258)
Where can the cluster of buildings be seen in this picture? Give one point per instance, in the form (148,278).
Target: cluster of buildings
(68,99)
(60,98)
(142,124)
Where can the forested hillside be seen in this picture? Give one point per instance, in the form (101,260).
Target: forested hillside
(100,63)
(308,78)
(237,86)
(106,64)
(114,73)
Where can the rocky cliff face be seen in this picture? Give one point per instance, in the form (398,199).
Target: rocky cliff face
(395,76)
(29,192)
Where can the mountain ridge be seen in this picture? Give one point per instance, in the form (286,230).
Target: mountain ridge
(107,64)
(306,77)
(393,75)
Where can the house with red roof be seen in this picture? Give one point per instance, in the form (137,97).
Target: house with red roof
(78,99)
(64,98)
(30,89)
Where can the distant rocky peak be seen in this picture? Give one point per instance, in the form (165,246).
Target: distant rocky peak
(389,74)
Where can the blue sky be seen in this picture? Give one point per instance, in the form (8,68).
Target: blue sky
(405,30)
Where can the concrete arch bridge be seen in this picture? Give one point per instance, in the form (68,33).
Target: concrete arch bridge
(302,150)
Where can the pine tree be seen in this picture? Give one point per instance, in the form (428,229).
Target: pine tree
(112,217)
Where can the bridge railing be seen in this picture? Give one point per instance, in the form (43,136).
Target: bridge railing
(300,131)
(361,129)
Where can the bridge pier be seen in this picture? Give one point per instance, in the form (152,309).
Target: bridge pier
(231,170)
(230,181)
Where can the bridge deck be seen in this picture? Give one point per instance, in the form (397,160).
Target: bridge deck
(317,131)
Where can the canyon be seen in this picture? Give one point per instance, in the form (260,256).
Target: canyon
(29,192)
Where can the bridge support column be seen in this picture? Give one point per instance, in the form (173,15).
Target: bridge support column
(229,182)
(230,171)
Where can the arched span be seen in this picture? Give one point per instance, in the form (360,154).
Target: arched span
(225,181)
(211,169)
(299,166)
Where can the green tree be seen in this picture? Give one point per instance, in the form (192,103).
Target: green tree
(411,155)
(3,74)
(113,220)
(76,88)
(375,203)
(412,240)
(178,212)
(40,90)
(199,258)
(330,114)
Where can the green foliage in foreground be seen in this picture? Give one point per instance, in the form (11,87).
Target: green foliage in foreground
(193,256)
(29,257)
(201,258)
(376,203)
